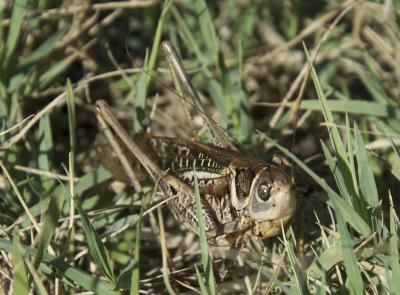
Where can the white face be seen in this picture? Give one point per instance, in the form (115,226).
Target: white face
(272,200)
(265,192)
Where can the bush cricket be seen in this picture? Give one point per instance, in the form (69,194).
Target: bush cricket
(241,196)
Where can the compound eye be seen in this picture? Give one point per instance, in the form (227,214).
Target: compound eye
(264,191)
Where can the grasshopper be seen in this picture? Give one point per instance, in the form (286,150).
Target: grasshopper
(241,196)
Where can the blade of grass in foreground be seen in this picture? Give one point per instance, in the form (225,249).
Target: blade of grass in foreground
(72,136)
(207,27)
(65,270)
(354,281)
(17,17)
(96,246)
(300,277)
(50,224)
(205,253)
(332,129)
(135,286)
(145,79)
(354,106)
(342,161)
(394,250)
(356,202)
(20,276)
(38,282)
(200,280)
(326,260)
(351,154)
(365,174)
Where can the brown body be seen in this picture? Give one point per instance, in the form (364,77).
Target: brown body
(225,181)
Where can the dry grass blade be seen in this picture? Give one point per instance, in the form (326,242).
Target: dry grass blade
(19,196)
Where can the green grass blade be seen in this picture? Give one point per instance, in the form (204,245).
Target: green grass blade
(91,179)
(46,144)
(351,155)
(87,181)
(141,97)
(355,201)
(42,51)
(342,161)
(207,27)
(394,250)
(37,280)
(200,280)
(395,159)
(97,248)
(374,87)
(17,16)
(321,289)
(205,253)
(71,108)
(354,281)
(332,129)
(50,223)
(68,271)
(20,276)
(326,260)
(365,174)
(46,147)
(135,281)
(188,38)
(354,106)
(135,278)
(71,124)
(271,277)
(336,172)
(140,101)
(215,88)
(51,74)
(2,12)
(298,271)
(157,39)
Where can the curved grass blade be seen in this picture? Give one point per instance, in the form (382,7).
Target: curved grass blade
(42,51)
(207,27)
(135,287)
(145,79)
(17,16)
(20,276)
(97,249)
(354,106)
(336,140)
(81,278)
(394,248)
(354,282)
(50,224)
(365,174)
